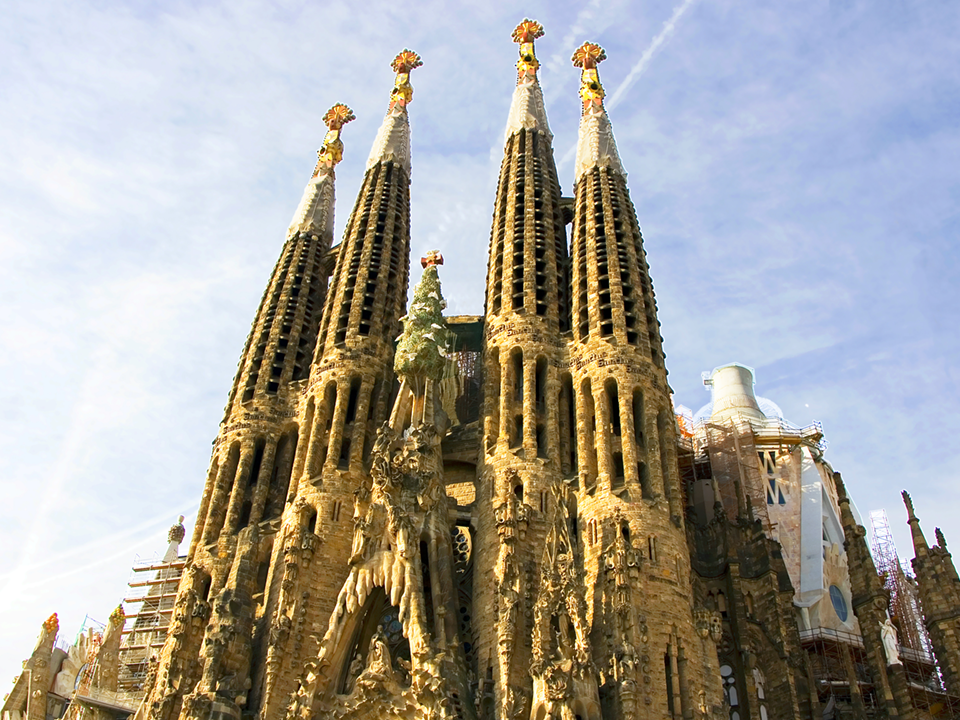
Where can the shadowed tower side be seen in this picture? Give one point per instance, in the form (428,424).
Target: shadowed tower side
(939,589)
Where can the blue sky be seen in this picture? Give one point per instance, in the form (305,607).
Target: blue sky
(794,166)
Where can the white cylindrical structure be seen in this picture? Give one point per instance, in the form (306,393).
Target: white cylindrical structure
(732,389)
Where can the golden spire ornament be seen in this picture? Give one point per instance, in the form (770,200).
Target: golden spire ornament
(587,57)
(331,152)
(402,93)
(524,34)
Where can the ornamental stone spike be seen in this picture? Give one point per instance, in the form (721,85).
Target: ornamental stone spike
(527,110)
(596,146)
(393,138)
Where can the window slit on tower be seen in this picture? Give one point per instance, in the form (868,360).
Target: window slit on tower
(568,428)
(623,258)
(397,275)
(519,223)
(497,234)
(516,402)
(540,394)
(376,253)
(580,232)
(603,269)
(540,234)
(493,429)
(371,182)
(617,482)
(589,435)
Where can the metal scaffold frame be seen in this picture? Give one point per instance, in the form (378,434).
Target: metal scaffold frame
(146,627)
(904,602)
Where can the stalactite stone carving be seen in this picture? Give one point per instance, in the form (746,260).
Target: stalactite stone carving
(564,678)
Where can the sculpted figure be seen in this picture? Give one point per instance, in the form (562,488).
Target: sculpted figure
(891,645)
(379,664)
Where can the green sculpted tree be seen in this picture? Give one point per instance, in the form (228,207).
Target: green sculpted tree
(421,352)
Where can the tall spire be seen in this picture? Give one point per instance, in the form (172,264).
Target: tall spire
(596,146)
(393,137)
(870,604)
(526,109)
(347,395)
(315,212)
(920,547)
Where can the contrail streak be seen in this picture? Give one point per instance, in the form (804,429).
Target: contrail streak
(637,70)
(658,41)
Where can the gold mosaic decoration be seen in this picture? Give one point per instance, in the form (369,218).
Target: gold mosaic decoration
(332,151)
(587,57)
(525,33)
(402,94)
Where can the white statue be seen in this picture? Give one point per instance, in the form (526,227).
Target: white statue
(760,681)
(891,645)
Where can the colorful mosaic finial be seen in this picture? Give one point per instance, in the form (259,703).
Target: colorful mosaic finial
(402,94)
(587,57)
(525,33)
(52,624)
(117,617)
(433,257)
(332,150)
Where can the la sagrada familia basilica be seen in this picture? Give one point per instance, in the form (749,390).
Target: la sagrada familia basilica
(409,515)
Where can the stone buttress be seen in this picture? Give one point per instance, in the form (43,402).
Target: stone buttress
(650,659)
(522,450)
(225,587)
(346,399)
(939,597)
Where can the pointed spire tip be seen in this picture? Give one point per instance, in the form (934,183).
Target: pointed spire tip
(587,57)
(909,503)
(402,94)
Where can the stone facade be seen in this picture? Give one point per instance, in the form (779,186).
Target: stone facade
(499,517)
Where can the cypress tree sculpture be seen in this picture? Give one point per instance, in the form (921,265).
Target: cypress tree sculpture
(422,347)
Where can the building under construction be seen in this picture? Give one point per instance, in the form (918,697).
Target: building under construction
(103,673)
(762,487)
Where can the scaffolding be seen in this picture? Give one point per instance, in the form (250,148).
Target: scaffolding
(732,452)
(153,591)
(87,694)
(905,610)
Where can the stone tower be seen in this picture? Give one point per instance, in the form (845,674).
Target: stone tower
(344,400)
(524,428)
(870,603)
(215,643)
(647,649)
(940,598)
